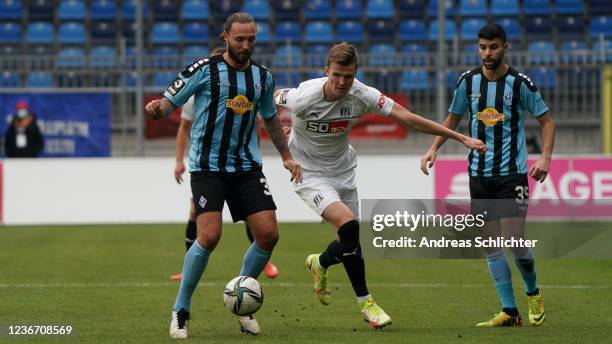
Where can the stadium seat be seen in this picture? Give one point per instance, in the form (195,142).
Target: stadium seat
(39,79)
(263,33)
(11,9)
(603,51)
(72,57)
(194,53)
(470,55)
(569,7)
(543,77)
(165,33)
(286,79)
(319,32)
(350,31)
(537,7)
(574,52)
(10,32)
(470,27)
(414,80)
(287,9)
(166,57)
(72,10)
(128,10)
(600,6)
(474,8)
(40,32)
(381,30)
(224,8)
(449,6)
(537,27)
(411,8)
(9,79)
(382,54)
(288,31)
(318,10)
(11,54)
(103,56)
(288,56)
(541,52)
(505,8)
(196,32)
(414,54)
(601,25)
(384,78)
(316,55)
(195,10)
(166,10)
(512,27)
(71,33)
(103,10)
(379,9)
(348,9)
(449,30)
(412,30)
(103,31)
(570,26)
(41,10)
(259,9)
(163,79)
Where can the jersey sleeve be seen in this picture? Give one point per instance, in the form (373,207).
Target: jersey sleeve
(532,100)
(377,102)
(267,108)
(459,105)
(286,97)
(188,82)
(188,109)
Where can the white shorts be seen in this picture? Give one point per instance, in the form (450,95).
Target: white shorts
(320,191)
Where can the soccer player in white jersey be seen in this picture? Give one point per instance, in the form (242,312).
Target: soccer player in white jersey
(322,113)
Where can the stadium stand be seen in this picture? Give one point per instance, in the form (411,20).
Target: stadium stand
(195,10)
(39,79)
(601,25)
(600,6)
(43,10)
(381,31)
(259,9)
(350,31)
(71,33)
(40,32)
(196,32)
(72,10)
(194,53)
(536,7)
(165,33)
(166,10)
(450,29)
(103,10)
(9,79)
(474,8)
(569,7)
(318,10)
(319,32)
(348,9)
(288,56)
(103,56)
(263,33)
(288,30)
(10,33)
(411,8)
(287,9)
(449,7)
(379,9)
(11,10)
(382,54)
(505,8)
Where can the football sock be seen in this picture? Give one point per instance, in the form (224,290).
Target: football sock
(193,268)
(500,271)
(352,258)
(249,233)
(526,266)
(331,256)
(191,232)
(513,312)
(255,260)
(360,299)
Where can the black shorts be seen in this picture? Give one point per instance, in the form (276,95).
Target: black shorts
(501,197)
(246,193)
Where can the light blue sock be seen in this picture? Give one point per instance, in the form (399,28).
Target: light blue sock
(193,268)
(526,266)
(500,271)
(255,259)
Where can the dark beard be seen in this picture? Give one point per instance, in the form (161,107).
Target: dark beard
(239,59)
(495,64)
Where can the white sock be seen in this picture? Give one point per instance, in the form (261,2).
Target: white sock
(319,263)
(360,299)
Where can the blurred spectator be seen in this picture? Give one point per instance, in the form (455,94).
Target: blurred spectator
(23,138)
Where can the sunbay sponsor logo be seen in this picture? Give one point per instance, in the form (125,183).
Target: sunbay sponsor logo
(240,104)
(490,116)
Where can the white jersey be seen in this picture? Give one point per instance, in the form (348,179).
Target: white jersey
(319,137)
(188,109)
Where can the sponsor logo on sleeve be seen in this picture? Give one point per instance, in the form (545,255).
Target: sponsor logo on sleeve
(176,87)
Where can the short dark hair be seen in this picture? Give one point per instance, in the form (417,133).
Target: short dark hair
(492,31)
(344,54)
(238,17)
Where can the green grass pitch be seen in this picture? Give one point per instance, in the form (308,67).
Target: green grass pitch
(110,283)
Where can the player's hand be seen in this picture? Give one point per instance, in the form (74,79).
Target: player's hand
(287,132)
(153,109)
(476,144)
(427,161)
(295,169)
(539,170)
(179,169)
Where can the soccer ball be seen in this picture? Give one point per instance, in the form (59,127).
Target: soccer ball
(243,295)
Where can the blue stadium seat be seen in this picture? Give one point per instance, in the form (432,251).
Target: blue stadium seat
(474,8)
(103,31)
(12,53)
(570,26)
(9,79)
(318,9)
(288,31)
(287,9)
(288,56)
(350,31)
(104,56)
(412,30)
(72,57)
(103,10)
(11,9)
(165,33)
(40,32)
(569,7)
(163,79)
(411,8)
(470,55)
(538,27)
(450,29)
(505,7)
(194,53)
(315,74)
(348,9)
(414,80)
(224,8)
(43,10)
(601,25)
(543,77)
(264,35)
(537,7)
(414,54)
(381,30)
(286,79)
(10,32)
(574,52)
(541,52)
(128,10)
(71,33)
(195,10)
(166,57)
(166,10)
(196,32)
(259,9)
(449,6)
(382,54)
(319,32)
(380,9)
(512,27)
(72,10)
(603,51)
(316,55)
(470,28)
(599,6)
(39,79)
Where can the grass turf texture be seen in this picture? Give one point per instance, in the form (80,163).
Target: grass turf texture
(110,283)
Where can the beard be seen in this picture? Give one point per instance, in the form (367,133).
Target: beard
(239,58)
(494,63)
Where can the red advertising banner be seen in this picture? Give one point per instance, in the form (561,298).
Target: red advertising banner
(163,128)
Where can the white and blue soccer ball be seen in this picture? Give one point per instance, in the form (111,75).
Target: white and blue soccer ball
(243,295)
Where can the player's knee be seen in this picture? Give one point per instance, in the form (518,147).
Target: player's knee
(209,239)
(267,240)
(349,236)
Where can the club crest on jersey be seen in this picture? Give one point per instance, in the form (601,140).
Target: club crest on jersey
(240,104)
(333,127)
(202,202)
(490,116)
(257,84)
(176,86)
(508,98)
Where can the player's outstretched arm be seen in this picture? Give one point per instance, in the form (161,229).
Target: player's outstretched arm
(182,137)
(159,108)
(539,170)
(428,160)
(275,130)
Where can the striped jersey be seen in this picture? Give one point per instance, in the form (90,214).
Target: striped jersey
(226,101)
(497,117)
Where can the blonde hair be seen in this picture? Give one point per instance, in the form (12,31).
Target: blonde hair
(344,54)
